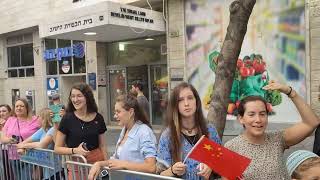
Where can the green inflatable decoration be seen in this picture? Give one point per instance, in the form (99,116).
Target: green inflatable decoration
(250,76)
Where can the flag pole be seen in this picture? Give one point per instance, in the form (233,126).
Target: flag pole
(193,148)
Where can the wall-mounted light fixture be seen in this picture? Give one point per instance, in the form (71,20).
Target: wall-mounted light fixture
(90,33)
(121,47)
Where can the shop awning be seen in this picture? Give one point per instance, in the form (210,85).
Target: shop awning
(110,21)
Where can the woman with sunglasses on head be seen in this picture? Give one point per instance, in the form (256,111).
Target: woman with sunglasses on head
(266,149)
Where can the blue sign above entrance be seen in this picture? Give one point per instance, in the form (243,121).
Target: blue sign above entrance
(76,50)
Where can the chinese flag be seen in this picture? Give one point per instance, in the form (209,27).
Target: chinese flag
(220,159)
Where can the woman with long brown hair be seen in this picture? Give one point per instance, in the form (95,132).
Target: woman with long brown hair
(186,124)
(81,130)
(136,146)
(82,124)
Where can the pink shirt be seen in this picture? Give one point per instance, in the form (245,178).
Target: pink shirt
(23,128)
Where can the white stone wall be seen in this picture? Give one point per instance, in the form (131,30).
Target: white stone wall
(102,91)
(91,62)
(36,83)
(2,71)
(176,39)
(1,91)
(314,52)
(16,15)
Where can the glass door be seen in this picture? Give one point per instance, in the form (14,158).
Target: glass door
(159,92)
(117,86)
(139,73)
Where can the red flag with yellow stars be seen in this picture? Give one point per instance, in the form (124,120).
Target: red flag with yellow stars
(220,159)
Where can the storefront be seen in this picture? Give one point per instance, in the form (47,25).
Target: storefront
(142,60)
(108,45)
(65,64)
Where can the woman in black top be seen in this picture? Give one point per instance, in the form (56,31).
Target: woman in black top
(81,130)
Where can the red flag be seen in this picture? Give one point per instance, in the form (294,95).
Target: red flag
(220,159)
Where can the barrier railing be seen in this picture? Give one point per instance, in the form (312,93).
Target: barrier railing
(38,164)
(46,161)
(6,172)
(33,164)
(107,174)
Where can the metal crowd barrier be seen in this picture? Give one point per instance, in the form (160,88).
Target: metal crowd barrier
(46,162)
(80,171)
(6,171)
(38,164)
(34,164)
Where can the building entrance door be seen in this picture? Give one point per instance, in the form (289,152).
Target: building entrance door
(117,86)
(138,73)
(159,92)
(121,80)
(155,87)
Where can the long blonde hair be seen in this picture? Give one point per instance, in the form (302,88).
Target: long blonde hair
(46,120)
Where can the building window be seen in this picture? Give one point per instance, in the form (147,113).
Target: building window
(20,56)
(79,63)
(65,65)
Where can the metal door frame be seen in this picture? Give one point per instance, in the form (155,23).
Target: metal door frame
(109,111)
(124,67)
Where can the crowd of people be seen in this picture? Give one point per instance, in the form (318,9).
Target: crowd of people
(80,129)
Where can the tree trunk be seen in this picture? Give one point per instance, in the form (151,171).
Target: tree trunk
(240,11)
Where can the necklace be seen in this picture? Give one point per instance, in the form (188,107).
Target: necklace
(82,124)
(82,120)
(189,131)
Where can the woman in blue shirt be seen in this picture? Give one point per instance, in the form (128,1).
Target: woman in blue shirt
(136,146)
(186,125)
